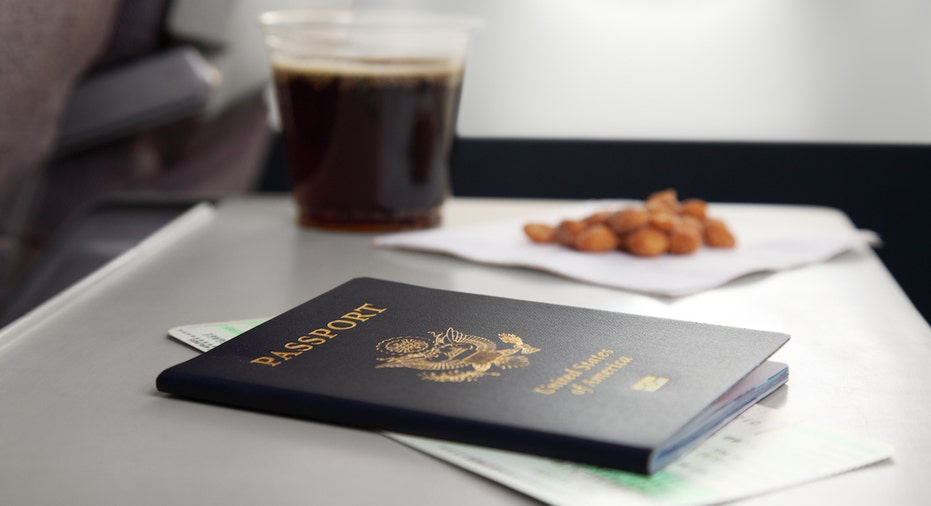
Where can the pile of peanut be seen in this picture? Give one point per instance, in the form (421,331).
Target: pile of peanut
(661,225)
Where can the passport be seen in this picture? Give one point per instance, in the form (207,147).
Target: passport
(603,388)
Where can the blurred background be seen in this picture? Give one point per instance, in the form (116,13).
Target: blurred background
(118,115)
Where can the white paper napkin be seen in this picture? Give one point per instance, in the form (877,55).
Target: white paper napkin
(770,238)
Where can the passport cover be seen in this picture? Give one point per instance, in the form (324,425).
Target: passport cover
(604,388)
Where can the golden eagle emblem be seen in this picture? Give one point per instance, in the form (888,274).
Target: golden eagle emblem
(453,355)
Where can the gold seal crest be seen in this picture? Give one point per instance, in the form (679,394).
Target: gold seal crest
(453,356)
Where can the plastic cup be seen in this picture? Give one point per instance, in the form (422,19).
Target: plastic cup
(368,102)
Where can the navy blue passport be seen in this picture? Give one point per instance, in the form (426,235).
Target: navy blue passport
(609,389)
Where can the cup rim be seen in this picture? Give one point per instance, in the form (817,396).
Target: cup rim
(365,18)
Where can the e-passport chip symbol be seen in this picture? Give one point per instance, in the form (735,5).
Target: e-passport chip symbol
(649,383)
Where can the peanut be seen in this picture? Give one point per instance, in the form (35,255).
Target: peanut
(597,238)
(540,232)
(647,242)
